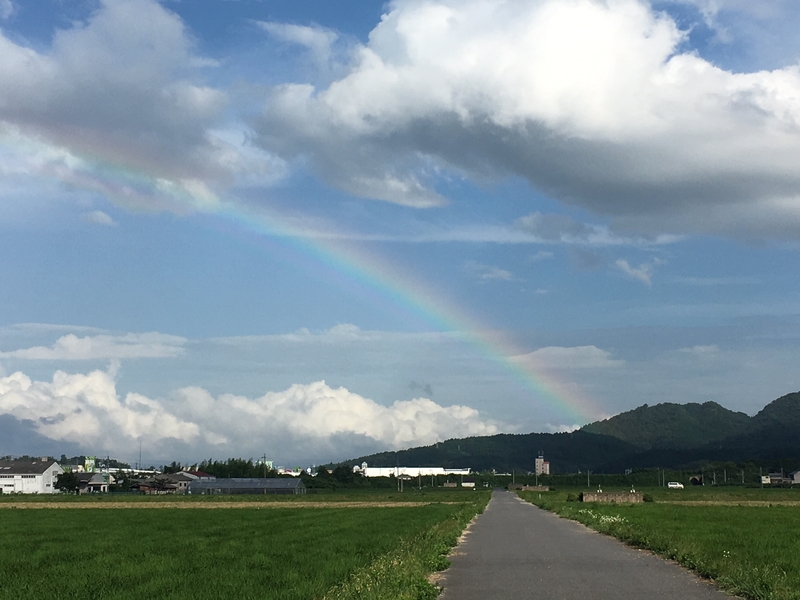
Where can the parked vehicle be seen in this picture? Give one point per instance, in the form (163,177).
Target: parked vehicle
(675,485)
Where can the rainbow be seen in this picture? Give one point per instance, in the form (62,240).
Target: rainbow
(416,298)
(389,284)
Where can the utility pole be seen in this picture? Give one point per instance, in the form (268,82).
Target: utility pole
(587,479)
(265,465)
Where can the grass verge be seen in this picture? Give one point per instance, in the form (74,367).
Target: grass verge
(402,574)
(751,551)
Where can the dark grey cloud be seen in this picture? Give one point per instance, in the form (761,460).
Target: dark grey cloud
(425,388)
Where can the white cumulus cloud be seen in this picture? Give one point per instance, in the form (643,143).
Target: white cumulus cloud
(87,410)
(126,85)
(302,420)
(562,428)
(595,103)
(318,411)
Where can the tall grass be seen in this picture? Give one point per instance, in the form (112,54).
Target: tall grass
(752,551)
(402,574)
(173,553)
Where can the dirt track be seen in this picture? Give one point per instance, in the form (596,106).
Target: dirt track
(210,505)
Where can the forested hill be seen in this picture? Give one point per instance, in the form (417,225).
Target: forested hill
(507,452)
(671,425)
(664,435)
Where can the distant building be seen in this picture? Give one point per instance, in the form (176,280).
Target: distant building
(91,483)
(410,471)
(542,466)
(778,479)
(181,481)
(29,476)
(155,485)
(248,485)
(198,475)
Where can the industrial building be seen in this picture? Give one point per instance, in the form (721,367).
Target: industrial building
(29,476)
(368,471)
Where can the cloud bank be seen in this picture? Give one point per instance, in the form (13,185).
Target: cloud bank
(131,345)
(595,103)
(309,422)
(576,357)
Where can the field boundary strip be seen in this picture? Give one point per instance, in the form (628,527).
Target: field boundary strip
(731,502)
(212,505)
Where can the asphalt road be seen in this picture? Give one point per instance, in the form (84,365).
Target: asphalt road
(516,550)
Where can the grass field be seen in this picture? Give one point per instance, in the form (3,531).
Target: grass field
(748,540)
(292,553)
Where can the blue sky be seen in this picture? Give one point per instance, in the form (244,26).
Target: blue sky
(320,229)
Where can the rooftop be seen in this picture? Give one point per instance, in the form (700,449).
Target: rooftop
(25,466)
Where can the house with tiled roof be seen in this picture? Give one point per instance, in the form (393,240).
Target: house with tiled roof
(92,483)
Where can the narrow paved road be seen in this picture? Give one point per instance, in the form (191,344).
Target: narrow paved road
(516,550)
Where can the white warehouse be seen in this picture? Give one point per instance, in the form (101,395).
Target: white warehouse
(29,476)
(409,471)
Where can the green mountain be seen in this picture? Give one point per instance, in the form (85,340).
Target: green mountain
(666,435)
(785,411)
(772,434)
(669,425)
(506,452)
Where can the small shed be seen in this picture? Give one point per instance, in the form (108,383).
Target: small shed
(249,485)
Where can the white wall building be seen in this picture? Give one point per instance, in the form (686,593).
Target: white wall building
(410,471)
(29,476)
(542,466)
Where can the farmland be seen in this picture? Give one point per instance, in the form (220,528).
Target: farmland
(748,540)
(375,548)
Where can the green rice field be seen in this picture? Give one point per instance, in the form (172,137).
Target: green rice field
(748,540)
(271,551)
